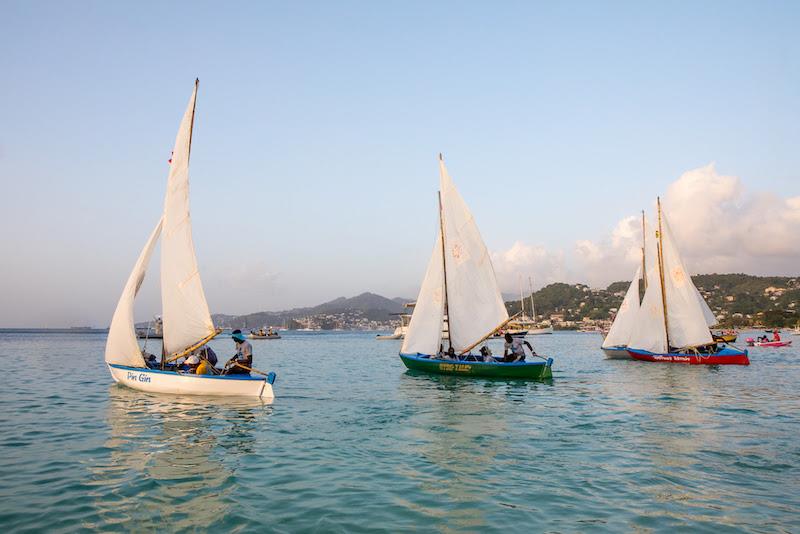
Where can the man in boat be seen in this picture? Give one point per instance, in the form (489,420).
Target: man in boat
(243,356)
(517,348)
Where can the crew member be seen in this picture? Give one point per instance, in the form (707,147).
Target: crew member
(243,356)
(517,347)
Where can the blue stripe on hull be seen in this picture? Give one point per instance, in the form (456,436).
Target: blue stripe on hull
(187,375)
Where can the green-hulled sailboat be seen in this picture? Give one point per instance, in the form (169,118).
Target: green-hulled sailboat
(460,289)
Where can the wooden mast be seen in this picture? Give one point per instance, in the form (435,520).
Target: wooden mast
(644,252)
(191,124)
(661,272)
(444,270)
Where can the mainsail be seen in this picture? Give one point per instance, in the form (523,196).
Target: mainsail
(625,321)
(474,304)
(688,326)
(424,333)
(184,309)
(121,345)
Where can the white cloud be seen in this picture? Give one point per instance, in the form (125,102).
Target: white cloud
(719,225)
(525,260)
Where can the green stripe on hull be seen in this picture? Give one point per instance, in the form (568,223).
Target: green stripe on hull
(499,370)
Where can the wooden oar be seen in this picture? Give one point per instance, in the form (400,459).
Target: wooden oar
(243,366)
(490,334)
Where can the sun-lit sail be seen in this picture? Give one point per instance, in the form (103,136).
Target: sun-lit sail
(185,312)
(474,304)
(627,315)
(121,346)
(424,333)
(688,326)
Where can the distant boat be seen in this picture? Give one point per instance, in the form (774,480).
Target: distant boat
(460,284)
(673,322)
(154,332)
(400,331)
(264,333)
(187,323)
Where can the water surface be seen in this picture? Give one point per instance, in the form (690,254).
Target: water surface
(354,442)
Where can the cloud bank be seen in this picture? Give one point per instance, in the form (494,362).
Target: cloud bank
(719,224)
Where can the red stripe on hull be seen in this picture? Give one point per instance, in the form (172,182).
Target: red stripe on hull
(693,359)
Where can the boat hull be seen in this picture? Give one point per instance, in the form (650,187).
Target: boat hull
(528,370)
(723,357)
(773,344)
(540,331)
(157,381)
(616,353)
(390,336)
(254,336)
(724,338)
(512,333)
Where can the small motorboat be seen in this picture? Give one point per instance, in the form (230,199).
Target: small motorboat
(264,333)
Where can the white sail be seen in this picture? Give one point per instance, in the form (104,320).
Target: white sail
(184,309)
(624,323)
(121,345)
(474,304)
(711,319)
(424,333)
(688,326)
(649,333)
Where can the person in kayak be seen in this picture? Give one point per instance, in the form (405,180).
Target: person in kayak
(517,348)
(776,335)
(240,363)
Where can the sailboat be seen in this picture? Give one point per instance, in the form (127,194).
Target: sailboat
(673,321)
(186,320)
(615,344)
(460,284)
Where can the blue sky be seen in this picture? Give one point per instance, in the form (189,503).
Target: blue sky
(314,160)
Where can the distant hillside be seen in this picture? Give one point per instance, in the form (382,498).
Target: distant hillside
(332,314)
(736,299)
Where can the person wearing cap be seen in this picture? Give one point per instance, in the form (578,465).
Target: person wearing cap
(244,355)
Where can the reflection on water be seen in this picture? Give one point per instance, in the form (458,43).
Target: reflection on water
(167,457)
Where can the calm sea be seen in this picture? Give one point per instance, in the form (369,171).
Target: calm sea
(353,442)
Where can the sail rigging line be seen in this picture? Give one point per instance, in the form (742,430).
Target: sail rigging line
(444,270)
(661,272)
